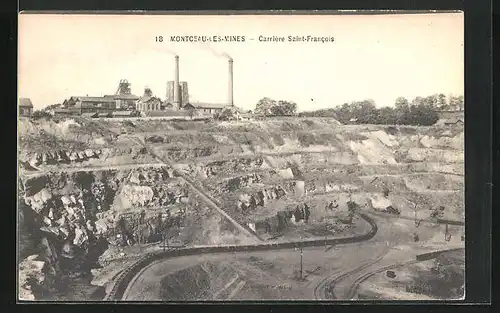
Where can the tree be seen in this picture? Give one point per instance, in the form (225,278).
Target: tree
(284,108)
(264,106)
(432,101)
(442,101)
(387,115)
(402,110)
(365,111)
(460,102)
(401,103)
(228,114)
(456,102)
(269,107)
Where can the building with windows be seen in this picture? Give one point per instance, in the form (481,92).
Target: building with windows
(123,96)
(205,108)
(148,102)
(90,104)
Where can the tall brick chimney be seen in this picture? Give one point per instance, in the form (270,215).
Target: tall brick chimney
(177,102)
(230,87)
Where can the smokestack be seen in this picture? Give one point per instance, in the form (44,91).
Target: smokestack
(230,89)
(177,101)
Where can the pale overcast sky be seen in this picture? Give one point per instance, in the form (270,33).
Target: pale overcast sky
(377,57)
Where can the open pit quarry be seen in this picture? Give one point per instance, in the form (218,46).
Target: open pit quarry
(97,195)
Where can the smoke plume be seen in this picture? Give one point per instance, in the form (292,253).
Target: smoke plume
(218,54)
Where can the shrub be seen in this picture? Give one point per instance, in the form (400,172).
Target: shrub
(41,115)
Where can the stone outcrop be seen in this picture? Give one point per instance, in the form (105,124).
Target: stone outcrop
(73,214)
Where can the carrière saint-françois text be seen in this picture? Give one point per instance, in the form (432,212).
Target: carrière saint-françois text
(260,38)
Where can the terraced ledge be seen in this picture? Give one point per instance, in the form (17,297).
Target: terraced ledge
(95,168)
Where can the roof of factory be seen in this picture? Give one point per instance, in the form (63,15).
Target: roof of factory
(92,99)
(148,98)
(123,97)
(204,105)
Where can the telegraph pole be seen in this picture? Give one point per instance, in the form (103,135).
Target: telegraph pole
(301,253)
(447,235)
(326,234)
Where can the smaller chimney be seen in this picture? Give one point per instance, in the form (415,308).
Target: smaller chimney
(177,102)
(230,87)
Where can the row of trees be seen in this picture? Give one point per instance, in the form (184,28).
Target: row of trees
(365,112)
(420,111)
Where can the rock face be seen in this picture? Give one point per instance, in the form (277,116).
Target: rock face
(31,275)
(77,215)
(248,203)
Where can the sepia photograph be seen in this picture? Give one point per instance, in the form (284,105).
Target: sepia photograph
(240,157)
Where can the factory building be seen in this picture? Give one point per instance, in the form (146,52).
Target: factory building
(123,96)
(123,99)
(148,102)
(90,104)
(205,108)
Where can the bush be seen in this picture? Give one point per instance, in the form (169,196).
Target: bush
(41,115)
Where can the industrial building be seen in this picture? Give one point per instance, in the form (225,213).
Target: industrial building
(177,99)
(148,102)
(25,107)
(205,108)
(123,96)
(123,99)
(90,104)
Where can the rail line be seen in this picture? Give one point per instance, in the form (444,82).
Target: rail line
(420,258)
(319,289)
(121,283)
(354,287)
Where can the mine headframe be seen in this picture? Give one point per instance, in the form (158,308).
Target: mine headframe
(123,88)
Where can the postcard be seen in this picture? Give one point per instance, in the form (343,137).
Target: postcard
(228,157)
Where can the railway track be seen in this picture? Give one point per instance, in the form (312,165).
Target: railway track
(127,275)
(320,292)
(354,287)
(419,258)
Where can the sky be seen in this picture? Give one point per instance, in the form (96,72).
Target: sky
(379,57)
